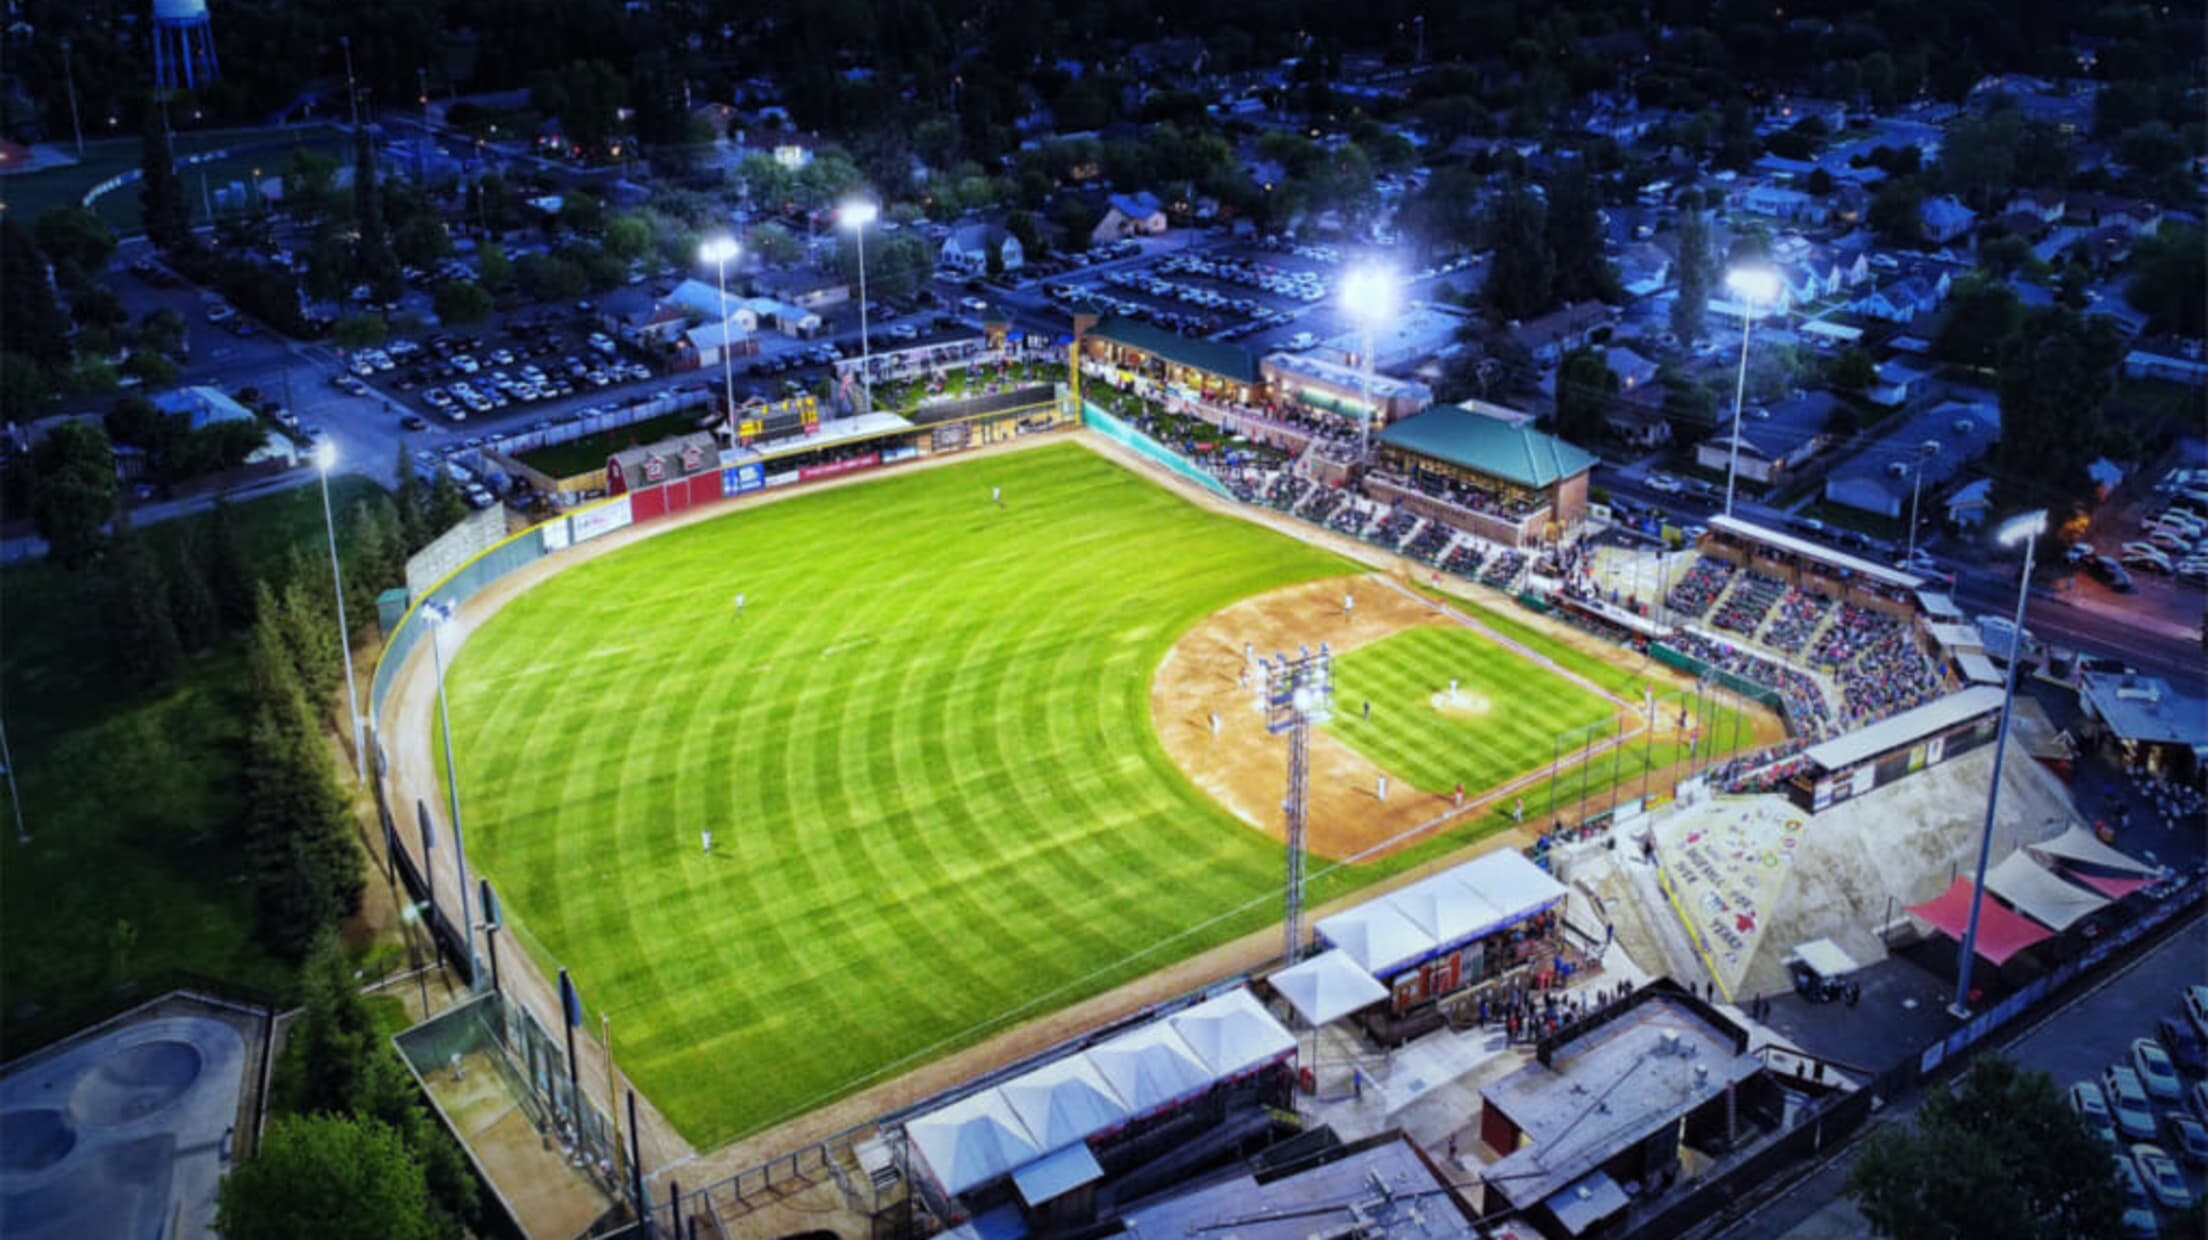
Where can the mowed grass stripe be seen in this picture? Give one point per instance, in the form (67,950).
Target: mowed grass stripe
(924,751)
(1414,739)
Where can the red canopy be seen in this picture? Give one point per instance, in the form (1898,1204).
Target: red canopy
(2001,933)
(2113,888)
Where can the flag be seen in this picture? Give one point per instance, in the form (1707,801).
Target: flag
(429,837)
(490,902)
(571,1001)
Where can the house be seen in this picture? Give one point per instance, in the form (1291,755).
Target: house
(205,406)
(1772,440)
(708,343)
(1643,268)
(1643,426)
(969,246)
(1805,283)
(1891,388)
(781,316)
(705,302)
(2135,216)
(1901,301)
(678,456)
(806,287)
(2047,204)
(633,314)
(1129,215)
(1778,202)
(1549,337)
(1945,218)
(1634,372)
(1915,458)
(1794,110)
(1968,506)
(2167,359)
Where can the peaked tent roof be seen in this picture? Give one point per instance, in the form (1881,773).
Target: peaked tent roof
(1510,882)
(2113,888)
(1445,907)
(2080,844)
(1514,452)
(1327,987)
(1150,1067)
(1376,936)
(1232,1033)
(2039,895)
(1063,1102)
(973,1141)
(2001,933)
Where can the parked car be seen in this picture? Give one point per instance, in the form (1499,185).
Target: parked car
(2187,1050)
(2187,1136)
(2127,1101)
(2092,1109)
(2116,575)
(2138,1217)
(2165,1183)
(414,422)
(2196,1008)
(2156,1072)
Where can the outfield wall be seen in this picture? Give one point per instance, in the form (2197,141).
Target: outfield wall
(1118,431)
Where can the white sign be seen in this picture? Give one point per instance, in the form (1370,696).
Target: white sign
(555,534)
(783,479)
(603,519)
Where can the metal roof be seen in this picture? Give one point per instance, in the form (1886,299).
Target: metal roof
(1934,716)
(1225,360)
(1812,551)
(1488,445)
(2144,708)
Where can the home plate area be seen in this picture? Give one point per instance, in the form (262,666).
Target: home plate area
(1726,862)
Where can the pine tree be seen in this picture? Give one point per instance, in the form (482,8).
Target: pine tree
(375,562)
(446,507)
(412,508)
(160,193)
(1693,272)
(300,853)
(1522,282)
(309,630)
(229,574)
(192,608)
(374,262)
(141,639)
(31,320)
(1575,236)
(334,1032)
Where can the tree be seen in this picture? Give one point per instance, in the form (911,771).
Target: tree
(308,628)
(1022,226)
(300,856)
(1997,1153)
(376,561)
(360,331)
(492,264)
(445,507)
(460,303)
(168,222)
(422,240)
(191,603)
(1981,313)
(2004,255)
(335,1035)
(141,638)
(411,507)
(339,1177)
(31,321)
(1853,370)
(1575,236)
(1585,386)
(2153,151)
(1736,138)
(1819,182)
(72,491)
(374,263)
(77,236)
(2054,373)
(628,237)
(1694,272)
(2168,271)
(229,574)
(1522,281)
(1689,405)
(774,245)
(581,212)
(1896,210)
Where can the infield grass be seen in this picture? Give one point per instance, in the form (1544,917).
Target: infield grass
(924,751)
(1504,722)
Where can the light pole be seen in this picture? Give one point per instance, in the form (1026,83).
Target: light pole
(1916,481)
(7,760)
(856,215)
(1298,692)
(718,252)
(352,87)
(2027,529)
(76,123)
(1369,295)
(325,456)
(439,615)
(1754,286)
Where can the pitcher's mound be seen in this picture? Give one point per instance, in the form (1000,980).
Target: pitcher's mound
(1461,704)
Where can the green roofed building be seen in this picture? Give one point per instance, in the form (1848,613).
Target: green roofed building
(1217,371)
(1484,468)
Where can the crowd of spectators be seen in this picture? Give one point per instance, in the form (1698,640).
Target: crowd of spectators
(1852,632)
(1463,495)
(1431,543)
(1395,527)
(1890,676)
(1465,559)
(1705,580)
(1285,491)
(1745,609)
(1795,619)
(1766,770)
(1803,700)
(1503,569)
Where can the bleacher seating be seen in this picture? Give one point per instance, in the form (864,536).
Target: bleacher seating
(1796,617)
(1744,608)
(1700,587)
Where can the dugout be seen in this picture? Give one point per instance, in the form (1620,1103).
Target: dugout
(1453,930)
(1894,748)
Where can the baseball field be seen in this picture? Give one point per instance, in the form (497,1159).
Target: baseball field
(924,748)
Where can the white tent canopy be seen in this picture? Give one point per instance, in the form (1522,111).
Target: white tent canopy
(1515,886)
(1232,1033)
(1064,1102)
(1376,936)
(2040,895)
(1327,987)
(1446,908)
(973,1141)
(2081,845)
(1150,1067)
(1826,957)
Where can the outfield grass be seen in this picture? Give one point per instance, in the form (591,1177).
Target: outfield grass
(924,751)
(132,801)
(1434,745)
(27,194)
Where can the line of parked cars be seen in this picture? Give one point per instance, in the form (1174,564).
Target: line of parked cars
(2174,541)
(2152,1107)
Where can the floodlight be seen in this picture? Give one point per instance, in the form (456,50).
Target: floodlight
(1369,294)
(857,213)
(325,454)
(1758,284)
(2022,526)
(718,250)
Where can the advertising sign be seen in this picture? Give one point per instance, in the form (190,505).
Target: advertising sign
(783,479)
(894,455)
(739,479)
(555,534)
(845,466)
(604,519)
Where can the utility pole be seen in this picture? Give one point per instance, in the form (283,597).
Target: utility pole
(352,87)
(69,72)
(7,761)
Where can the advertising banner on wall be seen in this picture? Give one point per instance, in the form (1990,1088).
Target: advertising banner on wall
(604,519)
(555,534)
(740,479)
(847,465)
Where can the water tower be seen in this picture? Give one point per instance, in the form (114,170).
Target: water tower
(183,45)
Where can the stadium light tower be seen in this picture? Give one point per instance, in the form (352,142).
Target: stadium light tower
(2026,529)
(325,458)
(719,251)
(1299,691)
(439,615)
(1756,285)
(856,215)
(1370,296)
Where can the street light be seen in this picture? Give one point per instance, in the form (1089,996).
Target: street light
(1370,296)
(718,251)
(2026,529)
(325,458)
(856,215)
(1756,285)
(438,615)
